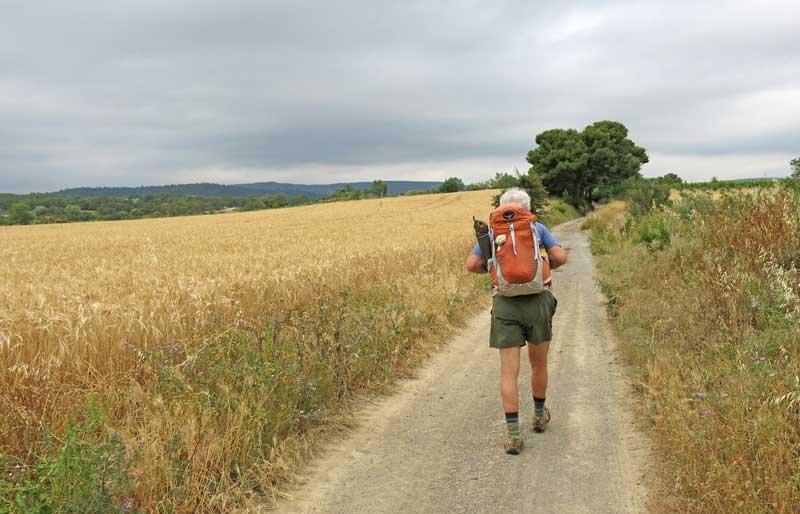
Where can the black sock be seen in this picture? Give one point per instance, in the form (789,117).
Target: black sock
(538,406)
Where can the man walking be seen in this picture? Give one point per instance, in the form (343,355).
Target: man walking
(522,304)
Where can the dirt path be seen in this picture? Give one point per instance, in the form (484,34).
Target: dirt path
(435,446)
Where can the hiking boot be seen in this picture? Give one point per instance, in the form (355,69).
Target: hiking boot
(514,444)
(540,422)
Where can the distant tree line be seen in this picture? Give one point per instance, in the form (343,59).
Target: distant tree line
(51,208)
(378,189)
(59,208)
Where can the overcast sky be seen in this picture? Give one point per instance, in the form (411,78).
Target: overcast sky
(151,92)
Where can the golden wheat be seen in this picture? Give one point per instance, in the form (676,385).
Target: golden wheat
(75,299)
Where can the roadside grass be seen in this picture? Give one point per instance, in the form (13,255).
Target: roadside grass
(705,294)
(558,211)
(610,215)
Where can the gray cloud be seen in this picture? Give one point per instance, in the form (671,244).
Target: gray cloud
(145,92)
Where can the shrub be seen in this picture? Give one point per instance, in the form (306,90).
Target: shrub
(87,472)
(652,232)
(695,205)
(645,197)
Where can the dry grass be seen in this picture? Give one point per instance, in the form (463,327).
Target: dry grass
(210,346)
(557,211)
(678,194)
(710,319)
(610,215)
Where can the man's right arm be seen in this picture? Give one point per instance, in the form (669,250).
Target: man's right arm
(475,264)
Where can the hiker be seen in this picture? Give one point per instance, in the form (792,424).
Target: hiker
(524,251)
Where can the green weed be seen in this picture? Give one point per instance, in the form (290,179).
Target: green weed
(86,471)
(652,232)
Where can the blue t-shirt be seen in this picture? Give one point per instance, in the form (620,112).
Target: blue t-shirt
(545,237)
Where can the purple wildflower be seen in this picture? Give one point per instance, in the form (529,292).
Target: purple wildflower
(128,503)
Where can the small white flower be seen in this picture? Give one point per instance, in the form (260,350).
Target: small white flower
(499,240)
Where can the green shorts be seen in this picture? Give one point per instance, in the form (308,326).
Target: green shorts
(518,319)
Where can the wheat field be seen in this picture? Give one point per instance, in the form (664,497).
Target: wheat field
(196,354)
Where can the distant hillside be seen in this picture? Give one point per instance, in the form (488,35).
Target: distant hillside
(310,191)
(754,179)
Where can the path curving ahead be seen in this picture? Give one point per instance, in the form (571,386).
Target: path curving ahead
(436,446)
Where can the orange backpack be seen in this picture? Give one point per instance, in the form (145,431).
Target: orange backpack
(517,265)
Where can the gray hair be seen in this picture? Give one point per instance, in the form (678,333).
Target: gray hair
(516,195)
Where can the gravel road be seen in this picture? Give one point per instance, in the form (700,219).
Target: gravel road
(436,445)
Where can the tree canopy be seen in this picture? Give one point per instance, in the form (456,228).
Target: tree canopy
(531,182)
(671,178)
(378,189)
(795,164)
(577,163)
(19,214)
(450,185)
(501,180)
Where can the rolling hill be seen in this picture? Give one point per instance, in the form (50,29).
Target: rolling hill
(310,191)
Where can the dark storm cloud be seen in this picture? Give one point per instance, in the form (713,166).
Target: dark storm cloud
(101,93)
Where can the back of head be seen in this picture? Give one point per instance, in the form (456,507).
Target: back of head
(516,195)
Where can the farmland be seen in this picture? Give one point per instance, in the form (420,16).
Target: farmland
(185,363)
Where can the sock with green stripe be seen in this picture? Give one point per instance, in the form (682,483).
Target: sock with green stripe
(512,424)
(538,406)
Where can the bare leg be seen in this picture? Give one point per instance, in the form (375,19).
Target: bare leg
(537,354)
(509,373)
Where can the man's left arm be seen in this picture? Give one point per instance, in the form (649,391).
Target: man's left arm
(557,256)
(555,253)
